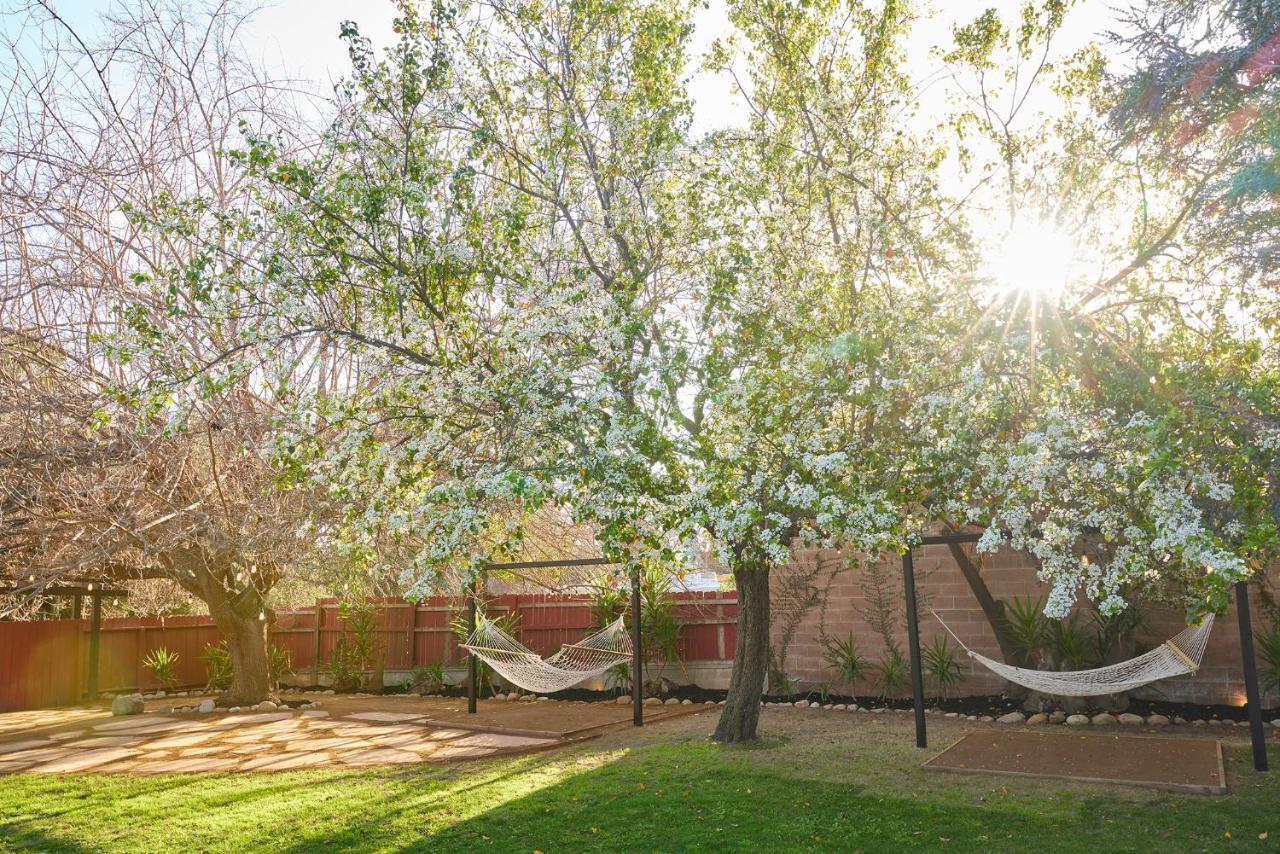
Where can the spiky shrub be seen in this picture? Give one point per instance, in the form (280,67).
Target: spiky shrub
(279,665)
(1028,627)
(942,665)
(217,666)
(892,673)
(163,663)
(1071,643)
(845,659)
(1268,644)
(356,660)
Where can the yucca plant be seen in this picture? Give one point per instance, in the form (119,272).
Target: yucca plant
(1268,645)
(1028,626)
(846,660)
(163,664)
(892,673)
(942,665)
(1071,643)
(217,665)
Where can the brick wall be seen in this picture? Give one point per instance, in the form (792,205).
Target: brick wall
(835,599)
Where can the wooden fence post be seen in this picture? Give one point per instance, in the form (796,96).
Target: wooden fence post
(315,648)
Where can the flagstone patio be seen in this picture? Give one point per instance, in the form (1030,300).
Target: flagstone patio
(275,741)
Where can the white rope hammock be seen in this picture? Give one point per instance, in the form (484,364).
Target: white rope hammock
(1177,656)
(575,662)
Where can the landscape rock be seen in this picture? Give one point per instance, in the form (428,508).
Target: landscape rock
(234,709)
(1179,719)
(671,701)
(652,701)
(501,698)
(130,704)
(801,704)
(1103,719)
(986,719)
(1038,718)
(1058,717)
(206,706)
(1276,723)
(621,701)
(1077,720)
(265,706)
(1011,718)
(686,702)
(1215,722)
(1131,719)
(953,714)
(513,696)
(540,699)
(1198,723)
(1157,720)
(971,718)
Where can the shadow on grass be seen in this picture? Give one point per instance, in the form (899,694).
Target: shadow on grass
(702,799)
(662,797)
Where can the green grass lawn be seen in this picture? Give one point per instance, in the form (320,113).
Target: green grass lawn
(668,790)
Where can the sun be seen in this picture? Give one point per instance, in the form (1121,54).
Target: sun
(1034,260)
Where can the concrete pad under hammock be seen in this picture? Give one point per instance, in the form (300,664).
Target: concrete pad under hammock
(574,663)
(1178,656)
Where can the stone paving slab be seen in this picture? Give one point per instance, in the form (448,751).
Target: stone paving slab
(26,744)
(385,717)
(157,743)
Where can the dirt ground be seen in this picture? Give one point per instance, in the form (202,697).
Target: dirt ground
(1175,764)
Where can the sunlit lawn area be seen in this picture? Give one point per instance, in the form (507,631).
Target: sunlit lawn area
(829,786)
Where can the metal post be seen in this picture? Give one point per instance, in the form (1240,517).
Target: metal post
(913,645)
(637,654)
(473,689)
(1251,678)
(95,641)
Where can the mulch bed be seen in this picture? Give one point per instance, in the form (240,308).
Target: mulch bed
(1175,764)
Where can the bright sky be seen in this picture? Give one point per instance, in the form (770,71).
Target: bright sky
(300,38)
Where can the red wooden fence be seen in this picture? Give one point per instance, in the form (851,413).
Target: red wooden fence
(45,663)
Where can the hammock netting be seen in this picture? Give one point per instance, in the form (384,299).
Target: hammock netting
(574,663)
(1179,655)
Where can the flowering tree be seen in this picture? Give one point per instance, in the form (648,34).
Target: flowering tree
(1095,431)
(124,454)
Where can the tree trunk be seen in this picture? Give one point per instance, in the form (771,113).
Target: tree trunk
(247,642)
(741,710)
(241,615)
(992,608)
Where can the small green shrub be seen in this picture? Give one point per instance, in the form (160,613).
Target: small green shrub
(163,663)
(941,665)
(1028,627)
(217,666)
(356,661)
(1268,644)
(892,673)
(427,678)
(780,684)
(1071,643)
(846,660)
(218,671)
(279,665)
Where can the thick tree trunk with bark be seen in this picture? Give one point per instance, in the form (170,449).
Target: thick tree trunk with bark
(241,615)
(992,608)
(741,710)
(247,642)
